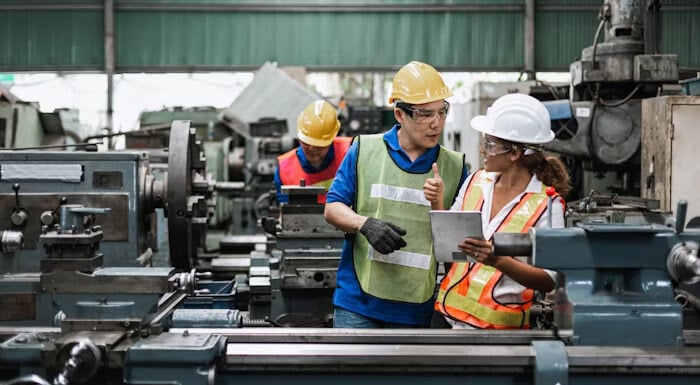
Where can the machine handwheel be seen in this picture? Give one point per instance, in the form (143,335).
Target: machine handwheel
(185,161)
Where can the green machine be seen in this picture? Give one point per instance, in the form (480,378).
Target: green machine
(23,125)
(213,136)
(216,141)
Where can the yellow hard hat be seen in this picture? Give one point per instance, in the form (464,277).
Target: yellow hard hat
(318,124)
(418,83)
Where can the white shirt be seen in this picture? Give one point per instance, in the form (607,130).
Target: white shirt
(507,290)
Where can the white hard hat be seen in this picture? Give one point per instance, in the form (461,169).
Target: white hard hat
(516,118)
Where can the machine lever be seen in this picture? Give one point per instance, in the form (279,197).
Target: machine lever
(272,322)
(16,188)
(551,192)
(681,212)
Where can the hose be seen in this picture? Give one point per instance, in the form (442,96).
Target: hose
(595,39)
(623,101)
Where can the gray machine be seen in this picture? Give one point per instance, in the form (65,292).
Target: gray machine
(600,124)
(102,312)
(35,185)
(611,208)
(75,211)
(294,286)
(263,118)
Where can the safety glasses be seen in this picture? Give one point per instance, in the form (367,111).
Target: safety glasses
(425,116)
(492,148)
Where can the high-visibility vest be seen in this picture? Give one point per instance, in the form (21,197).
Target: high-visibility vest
(387,192)
(291,171)
(467,292)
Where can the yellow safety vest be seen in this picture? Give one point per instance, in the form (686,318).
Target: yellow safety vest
(466,292)
(387,192)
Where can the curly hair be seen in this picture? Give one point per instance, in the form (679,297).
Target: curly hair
(549,169)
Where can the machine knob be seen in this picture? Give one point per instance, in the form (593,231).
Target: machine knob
(19,217)
(46,218)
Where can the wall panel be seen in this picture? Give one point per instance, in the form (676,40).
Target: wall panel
(187,35)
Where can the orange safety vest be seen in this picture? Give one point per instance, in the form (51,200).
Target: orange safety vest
(467,292)
(291,171)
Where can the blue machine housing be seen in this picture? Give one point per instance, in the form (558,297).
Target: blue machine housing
(111,180)
(616,289)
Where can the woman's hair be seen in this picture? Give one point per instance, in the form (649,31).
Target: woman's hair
(549,169)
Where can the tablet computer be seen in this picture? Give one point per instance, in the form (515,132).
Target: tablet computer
(450,228)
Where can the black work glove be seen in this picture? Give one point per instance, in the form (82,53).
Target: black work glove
(385,237)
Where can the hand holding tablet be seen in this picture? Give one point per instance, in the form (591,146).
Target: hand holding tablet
(450,228)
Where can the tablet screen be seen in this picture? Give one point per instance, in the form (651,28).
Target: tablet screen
(450,228)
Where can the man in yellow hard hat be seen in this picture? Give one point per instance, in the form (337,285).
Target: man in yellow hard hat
(319,154)
(387,272)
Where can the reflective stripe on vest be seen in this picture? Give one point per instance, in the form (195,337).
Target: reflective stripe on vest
(398,194)
(466,293)
(387,192)
(474,201)
(291,171)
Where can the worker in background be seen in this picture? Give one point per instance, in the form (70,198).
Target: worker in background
(387,273)
(343,110)
(510,191)
(319,154)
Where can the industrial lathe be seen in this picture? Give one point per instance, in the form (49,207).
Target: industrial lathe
(615,317)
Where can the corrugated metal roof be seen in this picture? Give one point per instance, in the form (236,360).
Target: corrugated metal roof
(681,35)
(320,41)
(560,36)
(51,40)
(458,38)
(322,2)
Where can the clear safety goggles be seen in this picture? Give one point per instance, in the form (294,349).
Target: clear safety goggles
(425,116)
(492,148)
(496,148)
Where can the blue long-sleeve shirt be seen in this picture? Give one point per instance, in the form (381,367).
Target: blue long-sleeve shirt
(348,294)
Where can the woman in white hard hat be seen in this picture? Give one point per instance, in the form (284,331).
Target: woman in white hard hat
(510,191)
